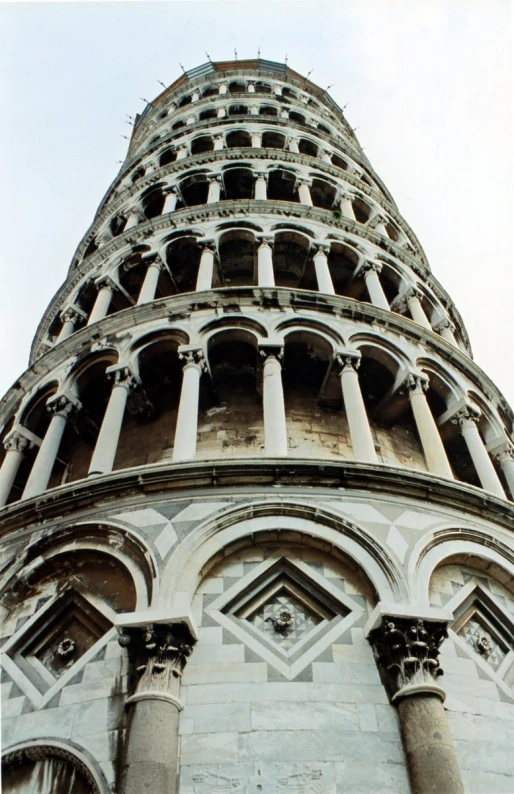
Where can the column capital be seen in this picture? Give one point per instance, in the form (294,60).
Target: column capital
(159,653)
(444,323)
(304,181)
(261,175)
(408,648)
(137,212)
(348,361)
(416,383)
(401,302)
(170,190)
(63,405)
(154,259)
(72,313)
(122,376)
(219,137)
(376,219)
(466,417)
(214,178)
(207,245)
(503,452)
(107,281)
(271,350)
(369,266)
(192,357)
(321,248)
(412,292)
(16,441)
(266,240)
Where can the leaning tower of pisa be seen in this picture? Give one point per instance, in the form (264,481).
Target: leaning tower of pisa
(256,494)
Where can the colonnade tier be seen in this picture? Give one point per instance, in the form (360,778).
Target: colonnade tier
(358,266)
(374,409)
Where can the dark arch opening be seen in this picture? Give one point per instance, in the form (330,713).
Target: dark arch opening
(308,147)
(282,186)
(273,140)
(238,183)
(202,144)
(237,260)
(238,139)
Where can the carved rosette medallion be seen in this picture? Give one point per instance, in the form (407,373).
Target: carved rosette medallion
(408,651)
(159,653)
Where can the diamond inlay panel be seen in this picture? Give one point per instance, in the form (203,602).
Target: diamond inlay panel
(284,619)
(483,642)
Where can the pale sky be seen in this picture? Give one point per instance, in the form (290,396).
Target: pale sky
(428,85)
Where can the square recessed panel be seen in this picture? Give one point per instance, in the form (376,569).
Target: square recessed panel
(483,638)
(286,612)
(54,644)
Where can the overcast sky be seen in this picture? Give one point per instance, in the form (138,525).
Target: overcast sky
(428,85)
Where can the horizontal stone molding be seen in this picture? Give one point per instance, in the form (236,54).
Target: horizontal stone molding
(224,476)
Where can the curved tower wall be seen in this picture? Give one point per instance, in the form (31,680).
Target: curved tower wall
(255,489)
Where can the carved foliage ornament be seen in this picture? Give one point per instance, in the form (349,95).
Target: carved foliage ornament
(408,650)
(160,653)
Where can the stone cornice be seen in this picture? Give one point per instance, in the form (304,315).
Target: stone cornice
(185,303)
(239,210)
(225,475)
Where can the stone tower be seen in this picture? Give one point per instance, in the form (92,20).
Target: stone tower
(256,494)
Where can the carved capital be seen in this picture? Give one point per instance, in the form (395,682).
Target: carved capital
(321,248)
(266,241)
(16,441)
(271,351)
(261,175)
(348,362)
(376,220)
(504,452)
(159,653)
(443,324)
(304,181)
(415,384)
(466,417)
(370,266)
(195,357)
(408,649)
(412,292)
(207,245)
(63,405)
(138,403)
(122,376)
(215,178)
(73,314)
(107,281)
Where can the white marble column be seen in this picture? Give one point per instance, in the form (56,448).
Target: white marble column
(261,186)
(358,422)
(347,207)
(326,157)
(412,297)
(61,407)
(446,328)
(206,267)
(275,432)
(467,419)
(223,88)
(15,445)
(106,288)
(254,110)
(219,143)
(134,218)
(123,381)
(214,189)
(323,276)
(195,96)
(433,448)
(251,88)
(293,145)
(256,138)
(265,274)
(170,201)
(184,447)
(371,272)
(222,112)
(105,237)
(70,317)
(149,286)
(304,191)
(505,457)
(182,152)
(378,223)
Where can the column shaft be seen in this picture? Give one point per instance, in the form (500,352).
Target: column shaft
(417,312)
(171,202)
(375,290)
(256,140)
(214,191)
(67,329)
(205,270)
(184,447)
(219,143)
(433,449)
(261,191)
(149,286)
(431,760)
(133,219)
(8,472)
(293,146)
(304,194)
(151,753)
(275,433)
(323,276)
(481,460)
(42,469)
(347,208)
(265,275)
(102,303)
(358,422)
(108,437)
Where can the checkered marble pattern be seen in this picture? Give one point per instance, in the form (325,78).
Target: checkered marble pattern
(475,634)
(448,580)
(302,619)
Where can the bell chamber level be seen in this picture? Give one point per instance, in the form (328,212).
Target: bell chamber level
(256,496)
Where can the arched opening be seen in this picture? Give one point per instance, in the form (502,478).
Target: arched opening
(323,129)
(316,426)
(282,186)
(186,100)
(230,422)
(140,172)
(308,147)
(286,92)
(210,113)
(86,297)
(42,769)
(237,260)
(93,391)
(91,248)
(323,194)
(238,110)
(117,225)
(238,183)
(390,280)
(194,190)
(339,162)
(361,210)
(202,144)
(211,90)
(298,118)
(153,202)
(236,87)
(268,110)
(262,88)
(168,156)
(342,263)
(273,140)
(238,139)
(291,261)
(178,125)
(183,260)
(131,274)
(147,436)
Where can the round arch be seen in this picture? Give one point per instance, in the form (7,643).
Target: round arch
(78,757)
